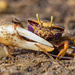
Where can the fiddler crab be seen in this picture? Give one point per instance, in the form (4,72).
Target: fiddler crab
(53,34)
(12,33)
(47,39)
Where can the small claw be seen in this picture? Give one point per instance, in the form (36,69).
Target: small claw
(32,36)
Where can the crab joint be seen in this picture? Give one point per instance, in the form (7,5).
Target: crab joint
(66,44)
(15,26)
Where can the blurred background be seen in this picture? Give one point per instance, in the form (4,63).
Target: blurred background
(62,10)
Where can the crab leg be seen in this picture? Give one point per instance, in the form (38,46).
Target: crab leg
(63,51)
(69,38)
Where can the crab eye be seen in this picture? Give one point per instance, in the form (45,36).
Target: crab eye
(57,36)
(30,28)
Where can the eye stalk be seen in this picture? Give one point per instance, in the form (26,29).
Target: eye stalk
(51,21)
(37,16)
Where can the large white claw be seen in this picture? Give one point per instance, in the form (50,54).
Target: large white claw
(9,37)
(32,36)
